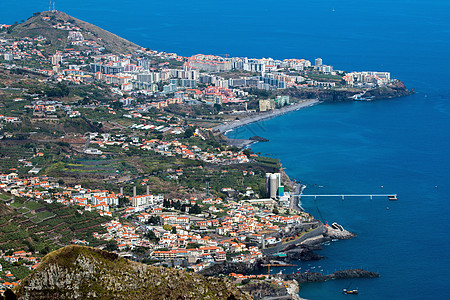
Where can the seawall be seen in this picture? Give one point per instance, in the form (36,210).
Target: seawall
(319,231)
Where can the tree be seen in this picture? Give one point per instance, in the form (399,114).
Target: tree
(153,220)
(116,105)
(247,152)
(167,227)
(111,245)
(193,246)
(195,209)
(174,230)
(217,107)
(45,250)
(151,236)
(189,132)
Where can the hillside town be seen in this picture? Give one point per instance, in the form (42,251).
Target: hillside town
(121,151)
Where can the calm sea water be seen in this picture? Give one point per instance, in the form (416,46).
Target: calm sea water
(400,144)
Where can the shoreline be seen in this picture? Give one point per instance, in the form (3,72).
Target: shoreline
(224,128)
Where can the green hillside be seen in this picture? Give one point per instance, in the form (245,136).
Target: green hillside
(76,272)
(42,24)
(38,226)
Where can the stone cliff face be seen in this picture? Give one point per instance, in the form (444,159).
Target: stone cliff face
(393,90)
(76,272)
(260,290)
(227,268)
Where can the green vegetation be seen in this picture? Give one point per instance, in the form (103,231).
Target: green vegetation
(52,226)
(57,39)
(109,270)
(17,269)
(325,77)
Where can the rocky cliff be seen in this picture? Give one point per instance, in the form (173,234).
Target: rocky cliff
(393,90)
(76,272)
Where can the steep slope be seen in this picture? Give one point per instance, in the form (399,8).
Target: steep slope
(5,210)
(46,24)
(76,272)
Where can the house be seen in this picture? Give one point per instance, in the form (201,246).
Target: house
(93,151)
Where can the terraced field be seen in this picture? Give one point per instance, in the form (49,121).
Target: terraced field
(37,225)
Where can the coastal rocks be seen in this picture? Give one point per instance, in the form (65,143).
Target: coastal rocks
(393,90)
(293,289)
(319,277)
(338,233)
(354,273)
(227,268)
(258,139)
(304,253)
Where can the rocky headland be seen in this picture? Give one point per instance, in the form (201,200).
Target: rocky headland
(336,233)
(393,90)
(76,272)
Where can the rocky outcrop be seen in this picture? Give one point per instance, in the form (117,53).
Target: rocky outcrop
(393,90)
(303,252)
(258,139)
(354,273)
(261,289)
(227,268)
(76,272)
(319,277)
(334,233)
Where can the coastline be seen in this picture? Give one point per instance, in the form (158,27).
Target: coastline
(223,128)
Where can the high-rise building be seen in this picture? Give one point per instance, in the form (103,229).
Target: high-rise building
(8,56)
(318,62)
(273,182)
(56,59)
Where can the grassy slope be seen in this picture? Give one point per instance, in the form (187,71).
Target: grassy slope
(36,26)
(88,272)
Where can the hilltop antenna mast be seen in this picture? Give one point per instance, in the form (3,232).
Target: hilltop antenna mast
(54,6)
(50,6)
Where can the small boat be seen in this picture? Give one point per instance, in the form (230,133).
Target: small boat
(350,292)
(392,197)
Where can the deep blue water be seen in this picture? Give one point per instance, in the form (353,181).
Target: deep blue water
(400,144)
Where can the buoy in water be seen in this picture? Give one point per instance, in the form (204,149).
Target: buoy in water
(387,208)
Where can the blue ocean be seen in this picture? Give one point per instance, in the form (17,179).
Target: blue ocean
(396,146)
